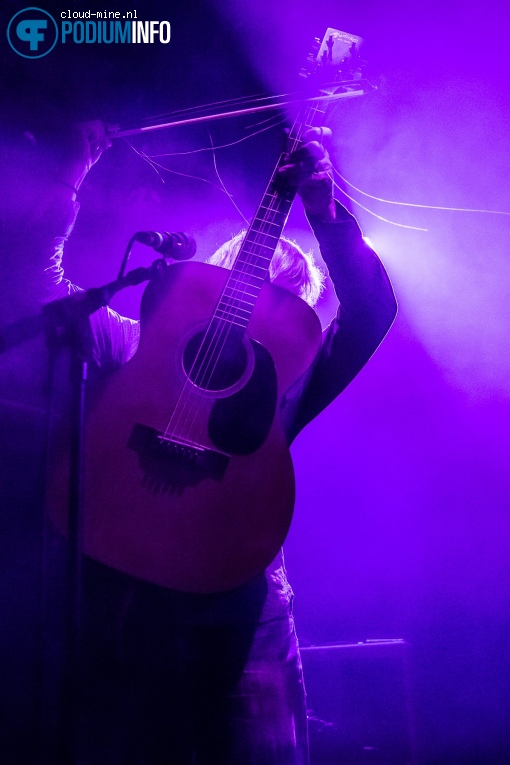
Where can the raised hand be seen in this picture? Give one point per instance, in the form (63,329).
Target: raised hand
(85,145)
(310,171)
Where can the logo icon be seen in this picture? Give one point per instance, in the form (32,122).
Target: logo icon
(32,33)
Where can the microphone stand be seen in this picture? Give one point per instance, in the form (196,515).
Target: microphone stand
(65,323)
(61,310)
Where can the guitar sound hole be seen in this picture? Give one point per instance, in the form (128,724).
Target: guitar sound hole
(215,363)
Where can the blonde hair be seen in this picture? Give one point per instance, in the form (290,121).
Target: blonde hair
(291,267)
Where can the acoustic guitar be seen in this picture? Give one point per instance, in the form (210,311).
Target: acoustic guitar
(188,478)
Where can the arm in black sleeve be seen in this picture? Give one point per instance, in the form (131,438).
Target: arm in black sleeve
(365,314)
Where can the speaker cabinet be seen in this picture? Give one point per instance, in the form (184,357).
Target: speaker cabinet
(359,703)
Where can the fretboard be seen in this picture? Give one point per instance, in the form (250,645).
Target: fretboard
(251,267)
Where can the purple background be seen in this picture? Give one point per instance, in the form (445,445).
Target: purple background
(401,526)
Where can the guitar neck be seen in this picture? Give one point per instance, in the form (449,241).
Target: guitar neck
(251,267)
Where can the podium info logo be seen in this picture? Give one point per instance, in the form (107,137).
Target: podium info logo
(32,33)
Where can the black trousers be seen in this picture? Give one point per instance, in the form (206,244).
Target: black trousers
(176,679)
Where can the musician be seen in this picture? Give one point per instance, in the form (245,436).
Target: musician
(176,678)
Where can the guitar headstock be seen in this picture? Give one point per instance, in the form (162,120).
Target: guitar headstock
(334,60)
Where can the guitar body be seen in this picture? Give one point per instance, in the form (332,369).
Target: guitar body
(205,505)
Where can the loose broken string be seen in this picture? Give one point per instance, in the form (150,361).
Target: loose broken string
(414,204)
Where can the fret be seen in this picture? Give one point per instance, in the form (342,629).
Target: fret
(243,289)
(235,323)
(244,292)
(234,300)
(230,310)
(275,221)
(236,277)
(262,233)
(281,197)
(233,308)
(272,209)
(249,303)
(241,323)
(283,205)
(227,305)
(254,265)
(251,266)
(257,244)
(263,236)
(241,275)
(245,251)
(264,220)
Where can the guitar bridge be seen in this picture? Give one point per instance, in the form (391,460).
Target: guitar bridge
(171,464)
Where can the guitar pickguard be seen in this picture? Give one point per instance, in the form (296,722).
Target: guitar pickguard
(239,424)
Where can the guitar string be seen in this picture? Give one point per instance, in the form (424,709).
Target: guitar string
(221,325)
(150,159)
(227,102)
(343,178)
(421,206)
(228,310)
(227,301)
(175,422)
(182,426)
(228,305)
(229,195)
(375,215)
(276,120)
(259,232)
(154,165)
(260,236)
(247,270)
(250,263)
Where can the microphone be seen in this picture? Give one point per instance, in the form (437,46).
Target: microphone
(171,245)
